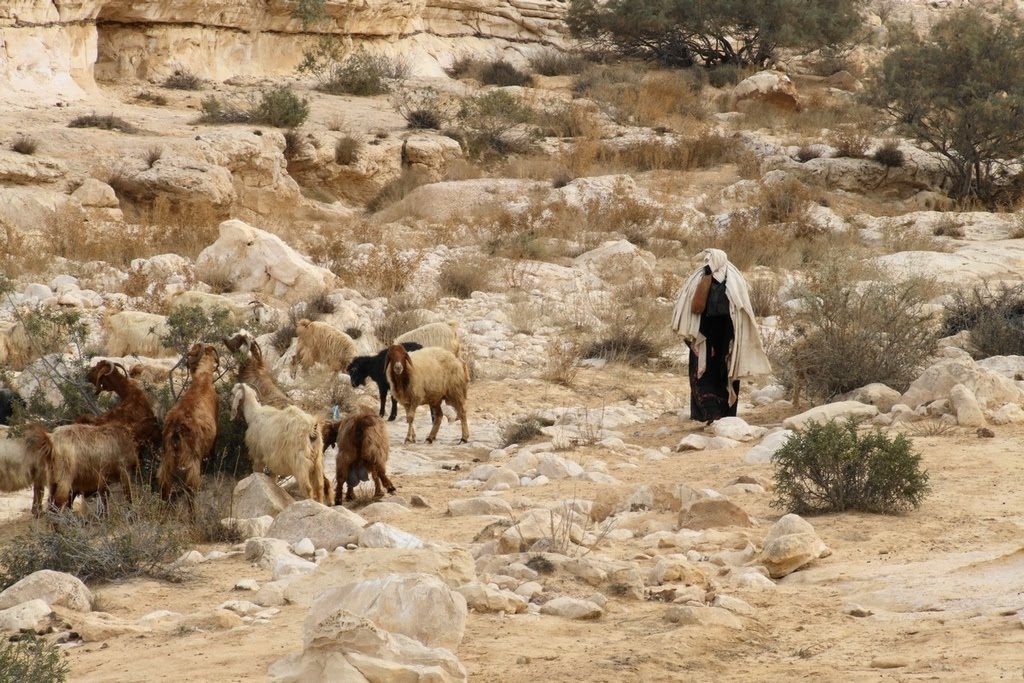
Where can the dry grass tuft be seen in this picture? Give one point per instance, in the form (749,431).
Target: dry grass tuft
(460,277)
(24,144)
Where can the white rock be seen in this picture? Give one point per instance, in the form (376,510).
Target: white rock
(502,477)
(381,535)
(691,615)
(1011,413)
(762,453)
(265,552)
(791,543)
(56,589)
(326,527)
(479,506)
(831,411)
(247,585)
(721,443)
(876,394)
(571,608)
(737,429)
(304,548)
(190,559)
(966,407)
(483,598)
(291,566)
(556,467)
(693,442)
(990,388)
(258,495)
(32,615)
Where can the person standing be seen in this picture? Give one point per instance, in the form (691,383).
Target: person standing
(715,318)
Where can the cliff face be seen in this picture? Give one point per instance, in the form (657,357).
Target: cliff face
(60,47)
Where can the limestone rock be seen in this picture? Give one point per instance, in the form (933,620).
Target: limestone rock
(690,615)
(484,598)
(571,608)
(502,479)
(32,615)
(250,527)
(430,154)
(737,429)
(381,535)
(990,388)
(876,394)
(328,528)
(791,543)
(419,606)
(266,552)
(383,510)
(762,453)
(692,442)
(57,589)
(965,406)
(619,256)
(534,526)
(454,566)
(772,87)
(253,260)
(831,411)
(94,193)
(479,506)
(677,569)
(1011,413)
(713,513)
(556,467)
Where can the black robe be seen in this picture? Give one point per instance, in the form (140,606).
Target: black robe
(709,395)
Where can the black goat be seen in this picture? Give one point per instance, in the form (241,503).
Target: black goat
(372,367)
(9,399)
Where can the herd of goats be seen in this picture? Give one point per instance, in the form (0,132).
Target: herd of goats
(422,366)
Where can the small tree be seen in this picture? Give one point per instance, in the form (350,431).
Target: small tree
(961,93)
(686,32)
(830,468)
(29,659)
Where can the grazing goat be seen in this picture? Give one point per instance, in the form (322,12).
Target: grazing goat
(190,428)
(21,467)
(85,459)
(210,303)
(441,335)
(287,441)
(10,400)
(362,445)
(134,411)
(132,333)
(15,347)
(372,367)
(253,371)
(429,376)
(319,342)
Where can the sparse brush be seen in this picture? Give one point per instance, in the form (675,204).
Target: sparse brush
(183,79)
(831,468)
(152,97)
(948,226)
(521,430)
(764,296)
(216,111)
(364,74)
(540,564)
(24,145)
(502,73)
(461,277)
(385,271)
(346,150)
(933,428)
(396,190)
(806,153)
(105,122)
(851,143)
(889,154)
(994,316)
(562,362)
(292,144)
(724,75)
(280,107)
(26,658)
(398,321)
(787,201)
(552,62)
(153,155)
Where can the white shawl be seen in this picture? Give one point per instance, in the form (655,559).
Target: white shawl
(746,357)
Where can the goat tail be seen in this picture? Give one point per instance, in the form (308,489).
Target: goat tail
(40,443)
(371,438)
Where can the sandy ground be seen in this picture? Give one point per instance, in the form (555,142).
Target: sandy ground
(942,585)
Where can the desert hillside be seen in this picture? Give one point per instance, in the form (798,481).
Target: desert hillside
(210,193)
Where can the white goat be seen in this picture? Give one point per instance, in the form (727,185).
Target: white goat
(441,335)
(136,333)
(287,441)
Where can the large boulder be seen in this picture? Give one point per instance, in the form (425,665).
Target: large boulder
(831,411)
(342,647)
(33,615)
(54,588)
(481,597)
(791,543)
(454,566)
(248,259)
(965,406)
(419,606)
(258,495)
(990,388)
(713,513)
(875,394)
(430,155)
(617,261)
(327,528)
(772,87)
(571,608)
(537,525)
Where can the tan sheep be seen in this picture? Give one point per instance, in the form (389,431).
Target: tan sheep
(322,343)
(428,376)
(441,335)
(134,333)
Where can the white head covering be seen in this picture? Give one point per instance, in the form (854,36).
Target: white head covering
(718,262)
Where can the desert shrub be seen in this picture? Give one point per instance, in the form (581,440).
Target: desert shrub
(787,201)
(128,540)
(24,145)
(681,154)
(562,363)
(461,277)
(831,468)
(105,122)
(502,73)
(850,143)
(183,79)
(152,97)
(496,123)
(153,155)
(634,327)
(552,62)
(188,325)
(385,271)
(846,334)
(396,190)
(948,226)
(292,144)
(360,73)
(724,75)
(280,107)
(346,150)
(995,318)
(216,111)
(28,659)
(960,91)
(806,153)
(521,430)
(424,108)
(889,154)
(398,321)
(764,296)
(687,32)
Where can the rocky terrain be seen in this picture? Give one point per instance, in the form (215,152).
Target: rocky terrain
(589,530)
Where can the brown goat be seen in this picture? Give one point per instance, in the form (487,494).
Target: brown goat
(428,376)
(362,442)
(190,428)
(135,409)
(253,371)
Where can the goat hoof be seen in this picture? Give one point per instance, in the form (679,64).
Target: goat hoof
(391,490)
(463,441)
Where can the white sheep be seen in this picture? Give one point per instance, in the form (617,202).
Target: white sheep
(15,347)
(320,342)
(21,467)
(429,376)
(441,335)
(287,441)
(136,333)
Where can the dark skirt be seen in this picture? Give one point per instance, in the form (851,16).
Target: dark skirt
(709,395)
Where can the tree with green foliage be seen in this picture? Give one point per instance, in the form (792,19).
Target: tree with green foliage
(28,659)
(960,91)
(688,32)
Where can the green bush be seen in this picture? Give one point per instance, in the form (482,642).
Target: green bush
(28,659)
(501,73)
(360,73)
(995,318)
(188,325)
(553,62)
(830,468)
(496,123)
(280,107)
